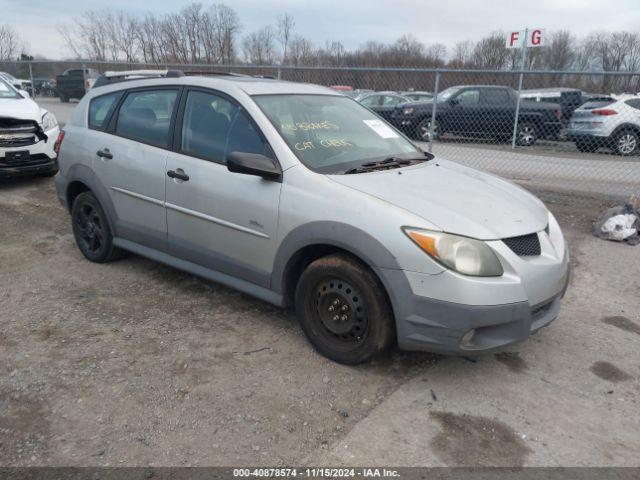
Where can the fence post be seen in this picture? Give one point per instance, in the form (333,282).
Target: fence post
(522,60)
(84,77)
(33,85)
(279,73)
(433,111)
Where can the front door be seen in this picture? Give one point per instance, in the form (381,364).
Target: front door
(215,218)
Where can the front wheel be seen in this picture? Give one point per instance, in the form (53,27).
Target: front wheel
(626,143)
(344,310)
(527,134)
(423,131)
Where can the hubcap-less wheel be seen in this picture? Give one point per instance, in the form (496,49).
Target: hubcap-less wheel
(90,228)
(341,312)
(627,143)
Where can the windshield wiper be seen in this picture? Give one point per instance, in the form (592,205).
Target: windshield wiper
(387,164)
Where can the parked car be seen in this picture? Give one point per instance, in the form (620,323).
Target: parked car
(610,123)
(479,111)
(75,82)
(28,135)
(383,103)
(417,96)
(300,196)
(17,83)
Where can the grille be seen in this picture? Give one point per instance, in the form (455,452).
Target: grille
(18,135)
(525,245)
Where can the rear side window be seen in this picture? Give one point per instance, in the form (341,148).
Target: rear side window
(596,104)
(495,97)
(100,110)
(213,127)
(145,116)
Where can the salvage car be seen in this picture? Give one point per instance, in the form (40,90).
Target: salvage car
(479,111)
(612,123)
(300,196)
(28,135)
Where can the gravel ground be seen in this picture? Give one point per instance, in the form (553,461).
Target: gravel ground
(135,363)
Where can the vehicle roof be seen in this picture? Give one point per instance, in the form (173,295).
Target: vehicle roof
(551,89)
(249,85)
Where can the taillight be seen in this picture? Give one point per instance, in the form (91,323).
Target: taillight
(559,114)
(604,111)
(58,144)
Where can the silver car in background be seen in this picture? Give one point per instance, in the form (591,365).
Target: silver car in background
(302,197)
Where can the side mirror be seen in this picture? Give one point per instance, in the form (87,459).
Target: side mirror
(254,164)
(24,93)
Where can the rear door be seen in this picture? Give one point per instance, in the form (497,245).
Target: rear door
(130,163)
(498,112)
(218,219)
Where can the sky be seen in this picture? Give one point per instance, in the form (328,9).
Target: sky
(351,22)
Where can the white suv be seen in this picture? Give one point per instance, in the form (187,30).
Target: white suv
(613,123)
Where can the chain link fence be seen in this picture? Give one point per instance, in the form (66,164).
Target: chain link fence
(565,130)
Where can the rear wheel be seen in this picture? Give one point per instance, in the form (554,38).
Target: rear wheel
(626,143)
(344,310)
(91,229)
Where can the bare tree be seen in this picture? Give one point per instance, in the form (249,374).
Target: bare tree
(462,53)
(9,43)
(490,52)
(259,46)
(285,26)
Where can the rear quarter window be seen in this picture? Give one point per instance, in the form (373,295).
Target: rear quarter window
(100,110)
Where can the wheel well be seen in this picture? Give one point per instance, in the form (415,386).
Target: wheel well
(300,260)
(73,190)
(625,126)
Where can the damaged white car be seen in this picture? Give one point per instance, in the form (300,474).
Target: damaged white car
(28,135)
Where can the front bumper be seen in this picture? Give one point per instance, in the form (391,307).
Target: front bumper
(42,158)
(458,323)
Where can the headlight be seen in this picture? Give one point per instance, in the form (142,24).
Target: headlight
(408,111)
(462,254)
(49,121)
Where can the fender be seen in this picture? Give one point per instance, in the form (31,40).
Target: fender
(82,173)
(337,234)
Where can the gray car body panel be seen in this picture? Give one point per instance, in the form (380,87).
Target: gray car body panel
(250,247)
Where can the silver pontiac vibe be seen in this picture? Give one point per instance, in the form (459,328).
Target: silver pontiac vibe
(302,197)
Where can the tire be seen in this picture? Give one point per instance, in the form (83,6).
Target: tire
(92,230)
(340,283)
(527,134)
(422,130)
(586,146)
(625,143)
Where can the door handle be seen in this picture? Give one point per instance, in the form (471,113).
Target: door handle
(179,174)
(105,154)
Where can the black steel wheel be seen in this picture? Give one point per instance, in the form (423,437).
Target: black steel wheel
(91,229)
(344,310)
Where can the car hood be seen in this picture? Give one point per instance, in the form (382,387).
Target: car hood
(457,199)
(22,109)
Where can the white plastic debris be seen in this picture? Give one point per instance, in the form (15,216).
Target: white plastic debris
(620,223)
(620,227)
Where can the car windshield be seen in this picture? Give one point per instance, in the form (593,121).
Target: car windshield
(7,91)
(445,94)
(332,134)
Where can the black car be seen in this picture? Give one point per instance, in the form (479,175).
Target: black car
(485,111)
(383,103)
(416,96)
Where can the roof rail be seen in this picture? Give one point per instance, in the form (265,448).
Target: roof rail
(110,77)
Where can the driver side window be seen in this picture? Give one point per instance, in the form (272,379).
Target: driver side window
(468,98)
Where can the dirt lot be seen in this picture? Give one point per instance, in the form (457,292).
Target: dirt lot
(134,363)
